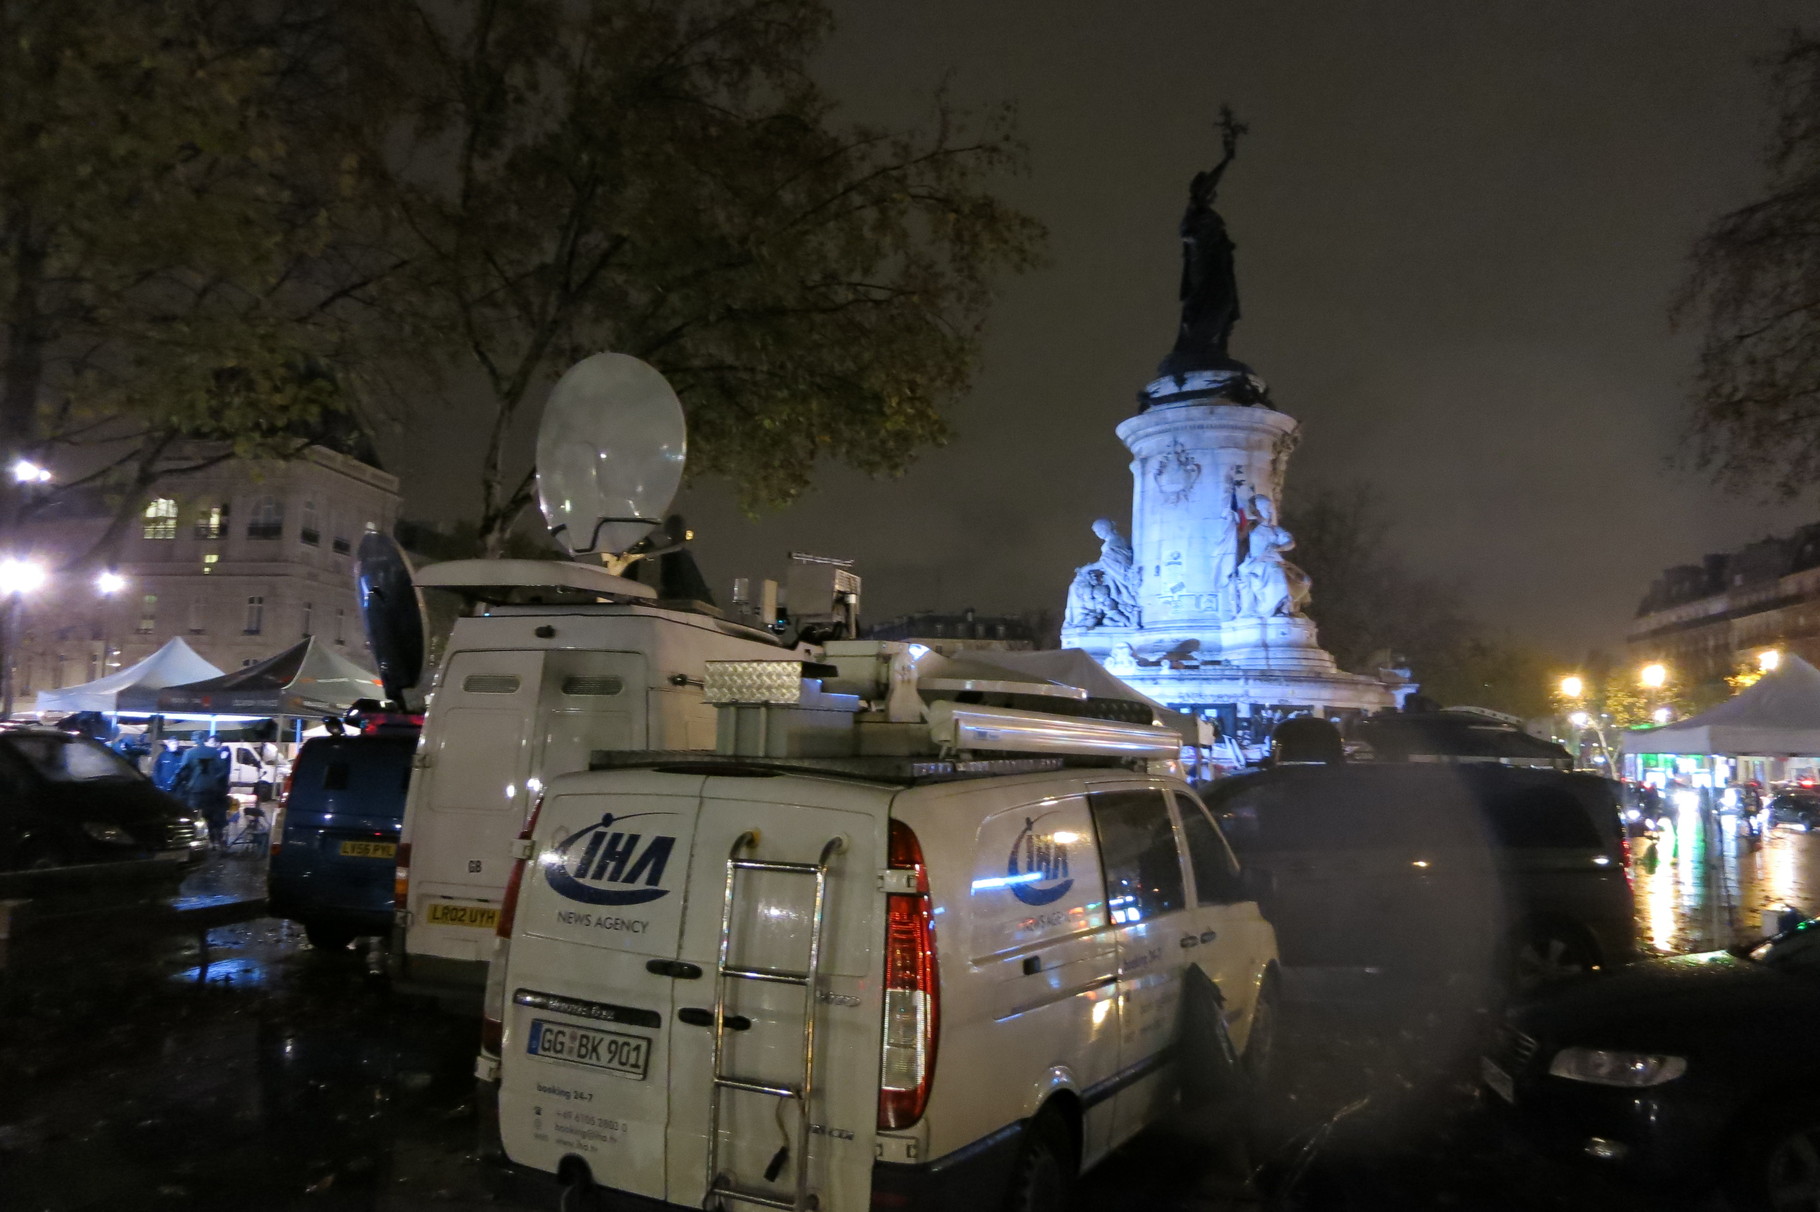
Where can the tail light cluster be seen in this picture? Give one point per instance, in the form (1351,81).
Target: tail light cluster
(912,990)
(401,877)
(492,1023)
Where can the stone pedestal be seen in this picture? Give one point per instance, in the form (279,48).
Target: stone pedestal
(1200,465)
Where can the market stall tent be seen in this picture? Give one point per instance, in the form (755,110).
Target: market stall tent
(172,665)
(1778,716)
(305,679)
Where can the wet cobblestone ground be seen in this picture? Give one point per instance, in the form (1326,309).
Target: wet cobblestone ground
(239,1069)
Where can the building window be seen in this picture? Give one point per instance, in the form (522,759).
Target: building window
(312,525)
(161,519)
(341,546)
(341,619)
(309,618)
(211,521)
(196,627)
(209,560)
(148,614)
(255,615)
(267,521)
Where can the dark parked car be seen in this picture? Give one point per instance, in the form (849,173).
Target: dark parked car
(1796,810)
(69,799)
(1691,1070)
(1436,869)
(333,864)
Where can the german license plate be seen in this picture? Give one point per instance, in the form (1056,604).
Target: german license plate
(626,1055)
(1497,1079)
(483,917)
(369,849)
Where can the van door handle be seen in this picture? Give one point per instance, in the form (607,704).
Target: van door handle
(695,1016)
(1207,936)
(1188,940)
(681,970)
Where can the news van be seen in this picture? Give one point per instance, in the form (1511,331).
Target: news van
(898,942)
(566,660)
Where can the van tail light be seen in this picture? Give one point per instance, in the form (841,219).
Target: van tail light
(492,1022)
(912,991)
(401,876)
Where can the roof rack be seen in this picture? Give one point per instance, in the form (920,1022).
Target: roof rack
(895,771)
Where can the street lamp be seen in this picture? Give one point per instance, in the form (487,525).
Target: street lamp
(20,576)
(1662,715)
(109,583)
(1572,687)
(1769,660)
(1579,719)
(1653,676)
(27,472)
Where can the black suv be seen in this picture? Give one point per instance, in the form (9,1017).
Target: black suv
(1436,869)
(67,799)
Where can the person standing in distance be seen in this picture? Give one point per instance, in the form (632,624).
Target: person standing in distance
(203,778)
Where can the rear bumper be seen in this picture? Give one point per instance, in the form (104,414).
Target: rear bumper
(460,985)
(973,1178)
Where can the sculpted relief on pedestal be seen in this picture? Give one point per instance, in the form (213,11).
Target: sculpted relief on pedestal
(1270,586)
(1104,593)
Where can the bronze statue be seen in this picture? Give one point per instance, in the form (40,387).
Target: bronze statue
(1209,292)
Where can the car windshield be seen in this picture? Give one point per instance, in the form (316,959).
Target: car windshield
(71,759)
(1797,948)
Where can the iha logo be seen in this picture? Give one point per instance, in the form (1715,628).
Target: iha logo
(1037,869)
(607,864)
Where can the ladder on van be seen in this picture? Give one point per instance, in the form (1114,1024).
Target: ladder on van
(720,1188)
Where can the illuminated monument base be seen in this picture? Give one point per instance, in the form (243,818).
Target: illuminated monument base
(1202,610)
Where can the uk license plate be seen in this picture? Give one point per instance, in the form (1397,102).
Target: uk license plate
(442,913)
(1497,1079)
(369,849)
(626,1055)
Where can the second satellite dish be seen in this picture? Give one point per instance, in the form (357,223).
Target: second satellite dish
(610,454)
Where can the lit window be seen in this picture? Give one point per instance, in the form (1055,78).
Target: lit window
(209,560)
(267,521)
(148,614)
(161,519)
(255,615)
(312,525)
(211,521)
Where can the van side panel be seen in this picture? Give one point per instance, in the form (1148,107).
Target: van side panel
(1028,1000)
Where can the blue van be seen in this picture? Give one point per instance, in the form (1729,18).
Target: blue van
(333,863)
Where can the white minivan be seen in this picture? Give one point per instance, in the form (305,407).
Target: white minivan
(855,981)
(528,690)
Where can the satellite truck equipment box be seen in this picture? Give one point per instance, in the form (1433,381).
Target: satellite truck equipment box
(884,948)
(528,692)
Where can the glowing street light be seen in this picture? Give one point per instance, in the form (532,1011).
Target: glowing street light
(27,472)
(1572,687)
(109,583)
(1662,714)
(1769,660)
(20,577)
(1653,677)
(1579,719)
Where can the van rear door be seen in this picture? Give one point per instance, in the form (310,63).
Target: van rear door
(591,1014)
(505,722)
(772,915)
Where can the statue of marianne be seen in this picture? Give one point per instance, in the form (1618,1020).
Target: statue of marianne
(1209,291)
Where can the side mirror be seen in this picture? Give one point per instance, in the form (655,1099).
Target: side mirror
(1257,883)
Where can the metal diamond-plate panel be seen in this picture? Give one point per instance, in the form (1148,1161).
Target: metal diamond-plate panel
(754,682)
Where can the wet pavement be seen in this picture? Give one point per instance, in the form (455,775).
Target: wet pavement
(237,1068)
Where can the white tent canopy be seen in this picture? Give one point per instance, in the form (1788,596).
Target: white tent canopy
(1778,716)
(172,665)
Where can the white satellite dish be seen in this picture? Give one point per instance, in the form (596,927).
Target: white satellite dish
(610,453)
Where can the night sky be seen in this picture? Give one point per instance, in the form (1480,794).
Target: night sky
(1458,229)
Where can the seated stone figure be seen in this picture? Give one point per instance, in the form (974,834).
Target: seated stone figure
(1104,593)
(1270,585)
